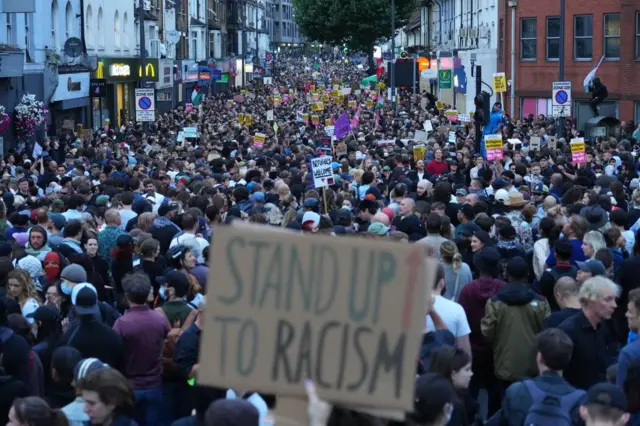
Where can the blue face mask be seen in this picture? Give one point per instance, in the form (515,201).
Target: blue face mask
(66,288)
(162,292)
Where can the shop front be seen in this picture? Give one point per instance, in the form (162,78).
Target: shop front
(190,76)
(122,76)
(70,101)
(164,87)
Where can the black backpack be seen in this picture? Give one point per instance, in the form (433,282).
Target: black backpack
(550,410)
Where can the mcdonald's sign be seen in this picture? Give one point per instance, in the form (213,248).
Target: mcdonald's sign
(124,69)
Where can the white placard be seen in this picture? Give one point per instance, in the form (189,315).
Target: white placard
(322,172)
(428,127)
(420,136)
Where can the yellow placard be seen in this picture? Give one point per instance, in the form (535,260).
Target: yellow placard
(499,82)
(259,137)
(305,118)
(317,106)
(369,103)
(328,122)
(248,119)
(440,105)
(315,120)
(312,88)
(335,93)
(418,152)
(577,147)
(493,142)
(241,119)
(353,104)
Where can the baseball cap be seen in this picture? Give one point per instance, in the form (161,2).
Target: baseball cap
(607,395)
(310,202)
(86,366)
(378,228)
(502,195)
(593,266)
(85,299)
(462,192)
(257,197)
(44,313)
(58,220)
(311,217)
(166,208)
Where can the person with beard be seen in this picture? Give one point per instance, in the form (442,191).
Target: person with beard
(423,191)
(419,173)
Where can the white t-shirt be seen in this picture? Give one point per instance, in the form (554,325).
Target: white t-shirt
(452,314)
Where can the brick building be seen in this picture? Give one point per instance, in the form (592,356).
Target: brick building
(593,29)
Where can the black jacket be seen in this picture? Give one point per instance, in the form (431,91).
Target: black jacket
(95,340)
(15,353)
(410,225)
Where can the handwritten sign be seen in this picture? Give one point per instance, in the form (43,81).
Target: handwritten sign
(322,171)
(464,118)
(493,145)
(499,82)
(281,310)
(578,152)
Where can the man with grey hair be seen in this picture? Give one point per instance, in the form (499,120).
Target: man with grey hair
(594,346)
(143,332)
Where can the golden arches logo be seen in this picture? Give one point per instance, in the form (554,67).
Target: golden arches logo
(149,70)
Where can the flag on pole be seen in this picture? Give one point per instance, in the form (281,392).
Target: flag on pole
(356,119)
(196,95)
(275,127)
(591,76)
(342,126)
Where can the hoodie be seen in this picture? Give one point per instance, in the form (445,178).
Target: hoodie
(473,298)
(495,120)
(513,318)
(15,353)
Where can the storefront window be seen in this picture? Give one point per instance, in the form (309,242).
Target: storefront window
(535,107)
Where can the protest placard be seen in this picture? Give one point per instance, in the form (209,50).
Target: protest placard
(353,104)
(535,142)
(451,115)
(418,152)
(553,142)
(578,152)
(315,120)
(321,171)
(452,138)
(420,136)
(270,115)
(258,140)
(428,126)
(190,132)
(347,314)
(494,148)
(305,118)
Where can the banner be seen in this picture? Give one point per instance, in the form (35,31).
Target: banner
(578,152)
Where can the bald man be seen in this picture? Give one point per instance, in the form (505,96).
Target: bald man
(108,236)
(408,222)
(382,218)
(566,294)
(547,204)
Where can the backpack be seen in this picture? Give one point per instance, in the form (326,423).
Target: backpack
(431,341)
(548,409)
(170,369)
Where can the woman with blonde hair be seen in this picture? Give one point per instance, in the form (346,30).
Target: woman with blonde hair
(457,274)
(592,242)
(21,288)
(145,221)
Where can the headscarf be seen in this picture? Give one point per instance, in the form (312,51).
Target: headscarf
(42,251)
(52,266)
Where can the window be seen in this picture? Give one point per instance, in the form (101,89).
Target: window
(27,35)
(528,38)
(88,31)
(583,37)
(68,21)
(125,34)
(99,29)
(611,33)
(553,38)
(637,35)
(54,24)
(116,30)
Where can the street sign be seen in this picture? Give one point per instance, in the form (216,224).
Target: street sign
(561,99)
(98,88)
(445,79)
(428,74)
(321,171)
(145,105)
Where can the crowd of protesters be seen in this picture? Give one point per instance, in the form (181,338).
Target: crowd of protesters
(104,253)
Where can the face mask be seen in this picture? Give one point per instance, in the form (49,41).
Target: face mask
(66,289)
(348,208)
(163,293)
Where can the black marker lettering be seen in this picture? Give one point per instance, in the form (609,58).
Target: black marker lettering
(284,338)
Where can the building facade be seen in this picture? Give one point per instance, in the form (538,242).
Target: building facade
(606,29)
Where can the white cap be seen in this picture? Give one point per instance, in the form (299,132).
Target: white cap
(311,217)
(77,288)
(502,195)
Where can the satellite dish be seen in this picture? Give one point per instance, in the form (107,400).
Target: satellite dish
(73,47)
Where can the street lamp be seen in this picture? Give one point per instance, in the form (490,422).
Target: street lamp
(513,4)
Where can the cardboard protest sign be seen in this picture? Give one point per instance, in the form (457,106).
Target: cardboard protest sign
(321,171)
(347,314)
(315,120)
(535,142)
(329,130)
(418,152)
(553,142)
(428,126)
(464,118)
(305,118)
(248,119)
(270,115)
(353,104)
(499,82)
(578,152)
(494,148)
(451,137)
(317,106)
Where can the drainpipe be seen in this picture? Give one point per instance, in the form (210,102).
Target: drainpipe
(84,45)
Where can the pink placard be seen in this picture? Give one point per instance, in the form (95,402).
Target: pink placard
(494,154)
(579,157)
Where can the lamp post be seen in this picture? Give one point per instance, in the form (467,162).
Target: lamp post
(393,55)
(560,129)
(513,4)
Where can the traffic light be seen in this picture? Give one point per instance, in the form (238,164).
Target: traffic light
(404,54)
(483,112)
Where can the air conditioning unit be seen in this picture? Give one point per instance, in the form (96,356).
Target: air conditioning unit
(154,51)
(463,32)
(484,32)
(473,32)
